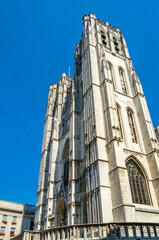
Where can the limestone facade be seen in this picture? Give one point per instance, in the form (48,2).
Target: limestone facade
(100,158)
(15,218)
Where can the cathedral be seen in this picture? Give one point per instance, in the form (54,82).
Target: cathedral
(100,154)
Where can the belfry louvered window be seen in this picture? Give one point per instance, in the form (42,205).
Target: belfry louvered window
(137,182)
(116,45)
(132,125)
(103,37)
(122,80)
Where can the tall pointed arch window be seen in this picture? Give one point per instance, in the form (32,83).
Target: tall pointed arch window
(132,125)
(122,80)
(138,184)
(119,120)
(66,163)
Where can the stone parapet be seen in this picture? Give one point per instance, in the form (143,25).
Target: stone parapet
(136,231)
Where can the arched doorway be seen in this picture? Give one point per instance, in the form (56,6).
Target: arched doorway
(61,213)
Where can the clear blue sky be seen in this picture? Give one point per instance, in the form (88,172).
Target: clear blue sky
(37,43)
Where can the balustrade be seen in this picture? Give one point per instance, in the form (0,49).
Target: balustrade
(95,232)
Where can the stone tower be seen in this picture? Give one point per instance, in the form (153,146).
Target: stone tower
(99,160)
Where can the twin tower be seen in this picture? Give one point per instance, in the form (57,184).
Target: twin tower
(100,154)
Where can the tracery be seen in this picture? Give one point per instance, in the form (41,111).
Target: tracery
(138,184)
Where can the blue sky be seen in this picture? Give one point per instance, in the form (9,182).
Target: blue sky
(37,43)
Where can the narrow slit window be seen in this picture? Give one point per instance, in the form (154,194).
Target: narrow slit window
(119,121)
(66,164)
(134,86)
(110,71)
(122,80)
(132,126)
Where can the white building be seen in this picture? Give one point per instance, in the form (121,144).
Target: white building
(15,218)
(100,156)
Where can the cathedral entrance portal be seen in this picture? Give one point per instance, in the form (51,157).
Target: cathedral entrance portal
(61,213)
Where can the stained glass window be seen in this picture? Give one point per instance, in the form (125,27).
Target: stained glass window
(137,183)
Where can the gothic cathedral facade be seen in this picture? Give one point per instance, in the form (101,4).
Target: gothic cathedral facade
(100,154)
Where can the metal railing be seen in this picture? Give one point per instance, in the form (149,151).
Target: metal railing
(95,231)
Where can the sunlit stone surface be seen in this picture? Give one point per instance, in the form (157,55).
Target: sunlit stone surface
(99,160)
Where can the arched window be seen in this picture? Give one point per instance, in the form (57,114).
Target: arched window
(66,163)
(61,213)
(119,120)
(132,125)
(137,183)
(122,80)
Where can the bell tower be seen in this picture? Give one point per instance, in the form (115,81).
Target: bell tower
(121,129)
(100,154)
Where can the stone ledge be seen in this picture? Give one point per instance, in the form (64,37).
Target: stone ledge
(148,209)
